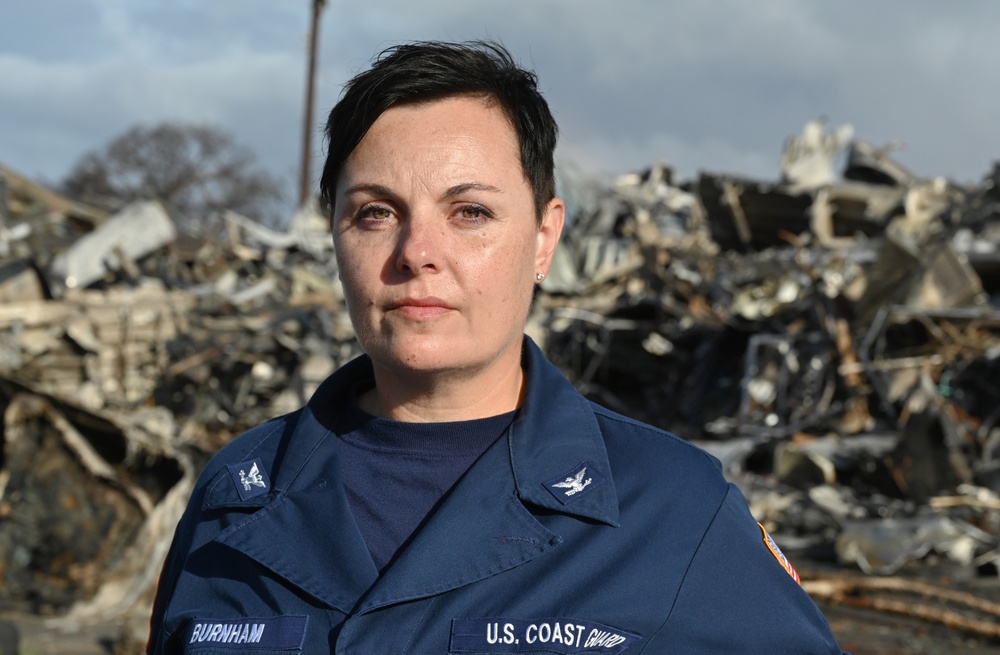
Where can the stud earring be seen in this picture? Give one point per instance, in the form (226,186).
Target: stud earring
(540,276)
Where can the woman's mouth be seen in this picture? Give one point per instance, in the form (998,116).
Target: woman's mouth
(420,308)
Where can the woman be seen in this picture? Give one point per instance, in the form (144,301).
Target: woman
(450,491)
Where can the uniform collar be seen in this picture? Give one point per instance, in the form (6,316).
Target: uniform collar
(554,435)
(554,432)
(306,491)
(489,523)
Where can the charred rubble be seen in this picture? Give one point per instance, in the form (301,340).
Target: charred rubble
(832,336)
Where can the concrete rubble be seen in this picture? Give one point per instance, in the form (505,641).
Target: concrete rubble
(833,336)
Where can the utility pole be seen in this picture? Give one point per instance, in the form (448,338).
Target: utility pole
(307,127)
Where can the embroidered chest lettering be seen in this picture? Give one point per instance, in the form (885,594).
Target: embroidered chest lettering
(271,633)
(558,635)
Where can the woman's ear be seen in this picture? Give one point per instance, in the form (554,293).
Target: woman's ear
(553,217)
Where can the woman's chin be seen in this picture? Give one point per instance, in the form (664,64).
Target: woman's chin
(457,353)
(420,356)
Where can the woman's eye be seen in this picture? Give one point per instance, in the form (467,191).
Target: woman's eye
(375,213)
(474,213)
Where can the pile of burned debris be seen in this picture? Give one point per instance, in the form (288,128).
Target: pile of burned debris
(832,337)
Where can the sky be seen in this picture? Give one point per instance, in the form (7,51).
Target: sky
(704,85)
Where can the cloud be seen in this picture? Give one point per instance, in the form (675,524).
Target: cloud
(750,74)
(715,85)
(604,157)
(82,106)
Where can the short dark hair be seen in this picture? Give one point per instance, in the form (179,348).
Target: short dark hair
(424,71)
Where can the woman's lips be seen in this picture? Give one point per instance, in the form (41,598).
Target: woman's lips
(428,307)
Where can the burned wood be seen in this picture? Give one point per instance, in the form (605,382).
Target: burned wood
(949,608)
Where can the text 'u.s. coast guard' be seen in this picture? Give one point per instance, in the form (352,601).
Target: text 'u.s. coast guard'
(557,635)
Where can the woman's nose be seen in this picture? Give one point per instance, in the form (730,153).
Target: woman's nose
(420,247)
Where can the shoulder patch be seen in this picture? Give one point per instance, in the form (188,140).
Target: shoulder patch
(250,478)
(778,555)
(575,483)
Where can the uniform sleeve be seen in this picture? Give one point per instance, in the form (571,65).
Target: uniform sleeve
(168,578)
(737,598)
(169,575)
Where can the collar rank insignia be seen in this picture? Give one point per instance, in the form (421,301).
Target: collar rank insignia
(249,478)
(577,482)
(778,555)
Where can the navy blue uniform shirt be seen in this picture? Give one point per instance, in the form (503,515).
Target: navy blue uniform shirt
(578,531)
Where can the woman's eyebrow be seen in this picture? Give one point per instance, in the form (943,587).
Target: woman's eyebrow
(370,189)
(459,189)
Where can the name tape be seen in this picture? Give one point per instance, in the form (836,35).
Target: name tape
(271,633)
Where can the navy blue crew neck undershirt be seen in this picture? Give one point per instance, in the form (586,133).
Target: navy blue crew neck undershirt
(395,474)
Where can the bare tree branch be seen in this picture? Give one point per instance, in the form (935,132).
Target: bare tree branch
(199,171)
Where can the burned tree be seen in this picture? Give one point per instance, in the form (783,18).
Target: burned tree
(197,170)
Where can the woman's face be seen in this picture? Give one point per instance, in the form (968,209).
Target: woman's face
(437,240)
